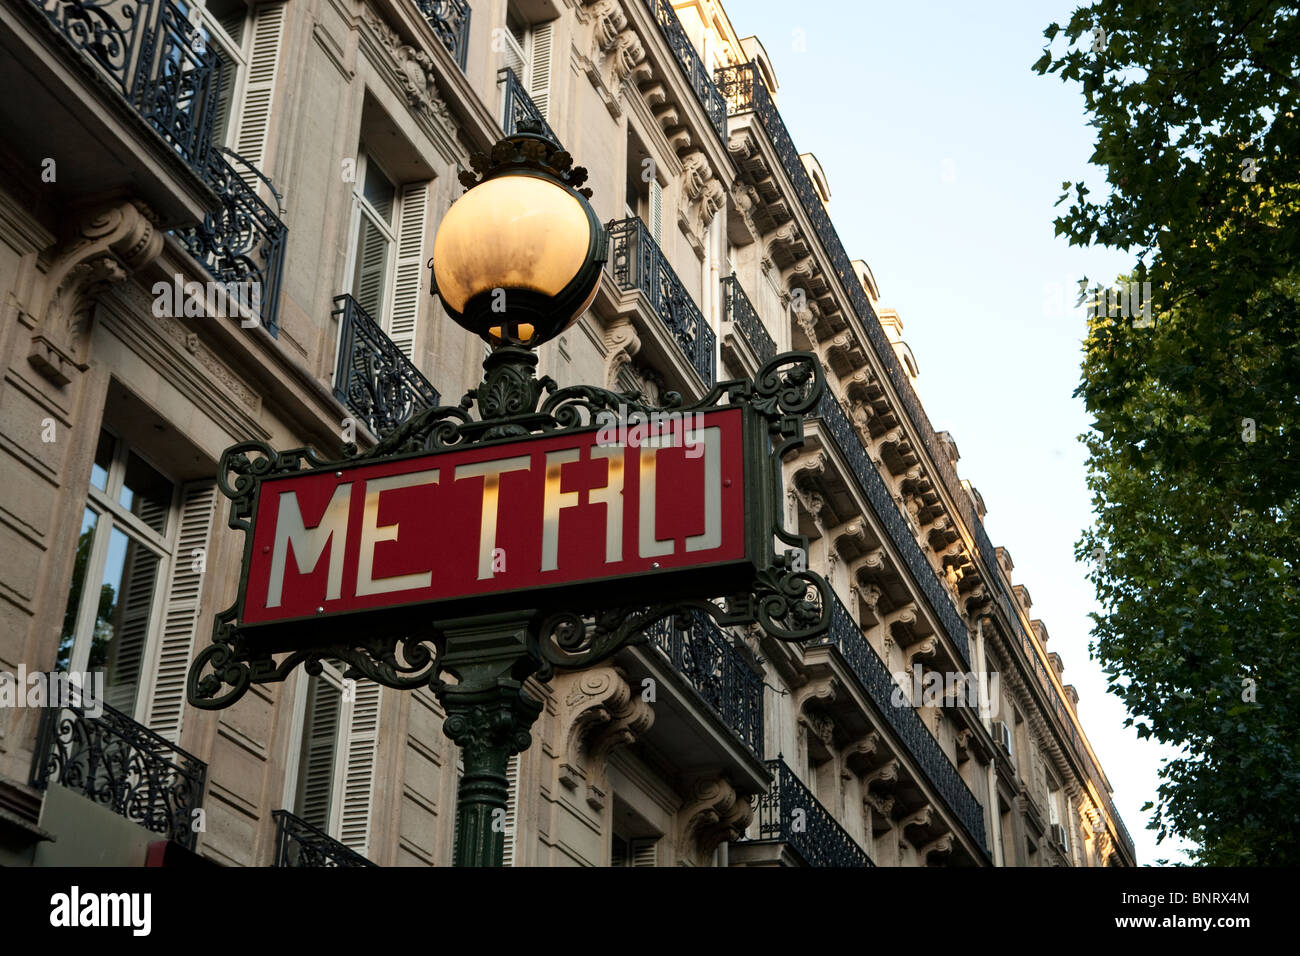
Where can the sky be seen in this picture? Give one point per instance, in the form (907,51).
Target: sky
(945,154)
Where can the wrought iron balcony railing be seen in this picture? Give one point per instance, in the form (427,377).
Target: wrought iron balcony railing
(879,685)
(450,22)
(122,765)
(636,262)
(706,657)
(789,813)
(298,843)
(877,493)
(737,309)
(242,242)
(154,57)
(697,74)
(372,376)
(517,105)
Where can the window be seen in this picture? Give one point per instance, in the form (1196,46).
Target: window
(386,249)
(225,27)
(124,556)
(332,781)
(373,200)
(634,851)
(528,54)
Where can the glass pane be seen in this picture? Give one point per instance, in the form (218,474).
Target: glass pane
(379,192)
(319,746)
(69,633)
(122,623)
(369,276)
(103,461)
(146,494)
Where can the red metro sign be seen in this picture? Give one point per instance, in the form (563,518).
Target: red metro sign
(666,509)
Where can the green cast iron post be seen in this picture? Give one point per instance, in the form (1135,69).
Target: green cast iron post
(488,717)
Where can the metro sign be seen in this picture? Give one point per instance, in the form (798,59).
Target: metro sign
(551,521)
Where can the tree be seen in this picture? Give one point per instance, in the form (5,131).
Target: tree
(1192,465)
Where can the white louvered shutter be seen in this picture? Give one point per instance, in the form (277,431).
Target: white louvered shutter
(657,212)
(320,745)
(371,253)
(641,852)
(131,628)
(410,266)
(512,810)
(181,611)
(259,89)
(538,81)
(359,774)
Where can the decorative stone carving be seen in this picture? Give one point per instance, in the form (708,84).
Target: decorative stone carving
(936,852)
(621,344)
(110,243)
(415,73)
(714,811)
(602,712)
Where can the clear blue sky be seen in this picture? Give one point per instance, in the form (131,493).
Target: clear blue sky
(945,155)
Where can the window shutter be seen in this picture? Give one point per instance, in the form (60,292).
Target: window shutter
(131,627)
(539,73)
(641,852)
(320,732)
(410,266)
(359,775)
(515,57)
(259,90)
(181,611)
(512,810)
(371,266)
(657,212)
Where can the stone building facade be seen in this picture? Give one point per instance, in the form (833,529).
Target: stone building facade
(215,218)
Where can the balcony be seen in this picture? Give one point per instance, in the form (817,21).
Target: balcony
(517,105)
(123,766)
(150,53)
(449,20)
(636,263)
(743,323)
(706,657)
(789,816)
(373,378)
(693,68)
(241,243)
(298,843)
(878,684)
(873,488)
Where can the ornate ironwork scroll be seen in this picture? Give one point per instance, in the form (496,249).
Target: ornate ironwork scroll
(122,765)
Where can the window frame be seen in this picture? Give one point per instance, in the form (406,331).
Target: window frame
(112,515)
(235,56)
(361,206)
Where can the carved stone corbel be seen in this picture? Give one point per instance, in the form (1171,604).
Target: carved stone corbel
(714,812)
(621,344)
(111,243)
(936,852)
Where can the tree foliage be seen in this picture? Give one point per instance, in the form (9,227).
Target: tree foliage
(1194,472)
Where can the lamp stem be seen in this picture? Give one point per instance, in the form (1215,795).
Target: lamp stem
(488,716)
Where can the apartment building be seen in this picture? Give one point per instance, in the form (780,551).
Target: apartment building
(215,223)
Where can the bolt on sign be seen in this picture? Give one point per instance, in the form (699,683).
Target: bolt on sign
(492,525)
(590,522)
